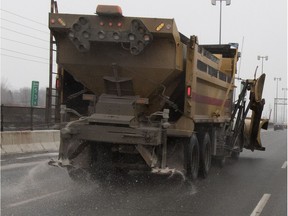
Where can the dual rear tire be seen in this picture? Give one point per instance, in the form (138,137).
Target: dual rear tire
(192,155)
(198,156)
(205,155)
(93,163)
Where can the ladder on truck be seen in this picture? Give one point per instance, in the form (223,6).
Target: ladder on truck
(52,94)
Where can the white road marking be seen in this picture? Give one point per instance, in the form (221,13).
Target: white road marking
(34,199)
(284,165)
(38,155)
(261,204)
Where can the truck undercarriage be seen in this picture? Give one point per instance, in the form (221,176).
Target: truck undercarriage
(93,147)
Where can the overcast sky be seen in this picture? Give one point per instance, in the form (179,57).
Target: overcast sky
(259,26)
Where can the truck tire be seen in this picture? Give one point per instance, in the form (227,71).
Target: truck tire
(192,158)
(79,175)
(205,155)
(219,161)
(80,172)
(222,161)
(236,153)
(102,164)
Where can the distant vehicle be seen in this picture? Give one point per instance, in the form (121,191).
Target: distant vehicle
(136,94)
(279,126)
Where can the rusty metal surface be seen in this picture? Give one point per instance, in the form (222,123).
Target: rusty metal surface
(154,66)
(88,50)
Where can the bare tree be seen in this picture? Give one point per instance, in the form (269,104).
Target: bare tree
(25,96)
(6,93)
(42,97)
(20,97)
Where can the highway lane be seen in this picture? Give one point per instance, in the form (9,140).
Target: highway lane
(30,187)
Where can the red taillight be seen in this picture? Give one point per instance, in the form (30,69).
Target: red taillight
(189,92)
(110,24)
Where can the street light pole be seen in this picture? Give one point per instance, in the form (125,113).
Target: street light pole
(276,99)
(228,2)
(285,104)
(220,22)
(262,57)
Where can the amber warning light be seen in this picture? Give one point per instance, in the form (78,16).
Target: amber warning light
(108,10)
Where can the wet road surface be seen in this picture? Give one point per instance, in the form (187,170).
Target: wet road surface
(29,186)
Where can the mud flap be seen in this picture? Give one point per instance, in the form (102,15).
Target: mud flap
(254,124)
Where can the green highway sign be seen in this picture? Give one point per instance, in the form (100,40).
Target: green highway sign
(34,93)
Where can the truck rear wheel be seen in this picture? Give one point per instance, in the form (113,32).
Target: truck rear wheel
(79,175)
(192,158)
(235,154)
(102,161)
(80,171)
(219,161)
(93,163)
(205,155)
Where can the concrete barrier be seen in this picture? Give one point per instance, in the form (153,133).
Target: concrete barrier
(29,141)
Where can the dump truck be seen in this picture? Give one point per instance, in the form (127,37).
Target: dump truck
(136,94)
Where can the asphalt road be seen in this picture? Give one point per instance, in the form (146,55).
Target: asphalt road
(30,187)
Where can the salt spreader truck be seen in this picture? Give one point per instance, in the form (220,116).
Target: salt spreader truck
(136,94)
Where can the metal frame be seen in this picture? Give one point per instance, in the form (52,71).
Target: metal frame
(49,95)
